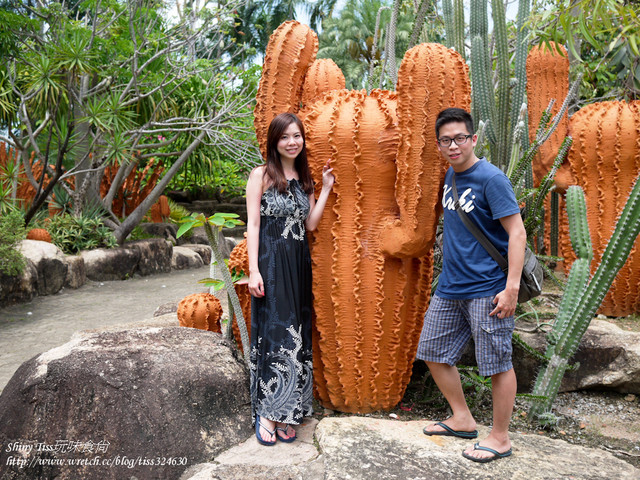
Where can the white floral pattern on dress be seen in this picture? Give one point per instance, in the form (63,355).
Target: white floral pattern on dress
(294,205)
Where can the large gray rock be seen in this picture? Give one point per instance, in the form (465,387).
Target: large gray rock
(609,359)
(204,251)
(20,288)
(184,257)
(155,255)
(248,461)
(132,398)
(110,263)
(76,272)
(50,264)
(367,448)
(167,230)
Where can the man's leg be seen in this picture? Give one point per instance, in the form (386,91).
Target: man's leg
(444,336)
(492,337)
(447,379)
(503,388)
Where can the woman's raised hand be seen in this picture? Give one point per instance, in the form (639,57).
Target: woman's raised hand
(327,176)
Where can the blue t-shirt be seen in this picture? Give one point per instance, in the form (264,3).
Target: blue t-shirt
(486,195)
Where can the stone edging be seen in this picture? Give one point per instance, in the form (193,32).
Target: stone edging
(48,269)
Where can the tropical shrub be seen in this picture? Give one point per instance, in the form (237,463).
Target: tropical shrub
(11,232)
(74,233)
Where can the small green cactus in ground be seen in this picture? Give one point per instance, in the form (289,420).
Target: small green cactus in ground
(582,296)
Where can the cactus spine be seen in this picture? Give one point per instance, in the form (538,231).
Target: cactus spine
(582,299)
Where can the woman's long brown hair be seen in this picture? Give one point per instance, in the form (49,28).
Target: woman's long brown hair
(273,169)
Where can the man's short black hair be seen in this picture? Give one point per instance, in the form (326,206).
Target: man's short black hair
(449,115)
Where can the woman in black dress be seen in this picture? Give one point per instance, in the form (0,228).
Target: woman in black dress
(280,208)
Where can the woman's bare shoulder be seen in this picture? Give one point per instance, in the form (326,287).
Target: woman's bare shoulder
(258,171)
(259,175)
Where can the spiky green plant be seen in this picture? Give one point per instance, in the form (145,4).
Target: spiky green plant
(582,296)
(220,221)
(12,231)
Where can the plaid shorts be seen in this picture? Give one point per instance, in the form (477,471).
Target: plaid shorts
(449,324)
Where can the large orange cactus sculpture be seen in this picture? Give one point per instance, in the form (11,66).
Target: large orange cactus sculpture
(548,78)
(371,254)
(605,160)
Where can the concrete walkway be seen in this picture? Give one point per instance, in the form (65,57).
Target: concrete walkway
(46,322)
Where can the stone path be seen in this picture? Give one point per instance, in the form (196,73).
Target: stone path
(46,322)
(367,448)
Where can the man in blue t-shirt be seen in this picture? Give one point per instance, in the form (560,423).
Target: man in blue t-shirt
(474,297)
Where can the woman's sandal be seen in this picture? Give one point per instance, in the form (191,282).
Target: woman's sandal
(259,437)
(284,431)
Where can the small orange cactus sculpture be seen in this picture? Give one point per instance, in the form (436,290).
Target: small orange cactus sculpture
(371,253)
(605,160)
(160,210)
(200,310)
(39,234)
(239,261)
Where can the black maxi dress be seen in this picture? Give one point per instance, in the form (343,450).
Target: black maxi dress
(280,361)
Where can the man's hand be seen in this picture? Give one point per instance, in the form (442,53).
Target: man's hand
(505,303)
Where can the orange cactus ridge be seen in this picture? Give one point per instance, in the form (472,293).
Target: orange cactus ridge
(200,310)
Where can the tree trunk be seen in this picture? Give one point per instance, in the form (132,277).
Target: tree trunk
(125,228)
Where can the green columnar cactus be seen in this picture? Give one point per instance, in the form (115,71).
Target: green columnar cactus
(483,97)
(503,89)
(449,25)
(454,25)
(520,72)
(554,232)
(582,298)
(498,108)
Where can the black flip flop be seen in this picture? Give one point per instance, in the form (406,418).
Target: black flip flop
(450,432)
(496,455)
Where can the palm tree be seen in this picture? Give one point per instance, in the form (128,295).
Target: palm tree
(350,39)
(256,20)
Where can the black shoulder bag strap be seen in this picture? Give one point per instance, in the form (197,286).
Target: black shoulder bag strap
(481,237)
